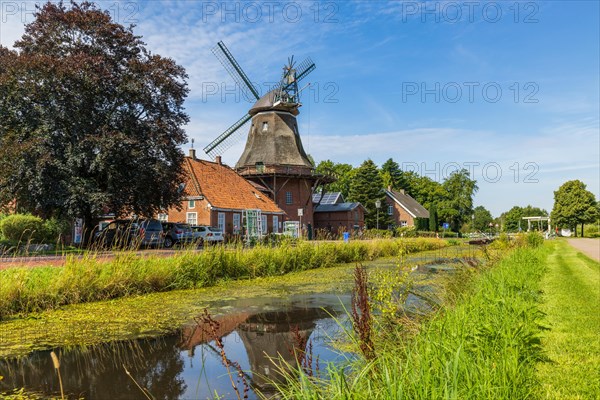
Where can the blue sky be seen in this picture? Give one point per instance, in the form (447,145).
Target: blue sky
(509,90)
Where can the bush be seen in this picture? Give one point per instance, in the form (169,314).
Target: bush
(590,230)
(23,228)
(406,231)
(56,229)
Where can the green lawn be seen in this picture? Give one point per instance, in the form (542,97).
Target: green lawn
(571,301)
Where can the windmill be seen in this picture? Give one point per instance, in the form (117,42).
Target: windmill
(273,158)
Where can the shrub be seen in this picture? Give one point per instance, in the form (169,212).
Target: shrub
(23,228)
(406,231)
(56,229)
(590,230)
(535,239)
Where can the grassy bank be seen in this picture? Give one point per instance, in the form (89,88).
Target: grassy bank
(26,290)
(154,314)
(485,345)
(571,300)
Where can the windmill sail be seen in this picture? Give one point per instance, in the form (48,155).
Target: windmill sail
(233,68)
(284,95)
(221,143)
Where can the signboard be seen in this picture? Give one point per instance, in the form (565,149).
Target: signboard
(300,212)
(78,231)
(446,225)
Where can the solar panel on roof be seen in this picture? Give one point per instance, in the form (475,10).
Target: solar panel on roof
(328,198)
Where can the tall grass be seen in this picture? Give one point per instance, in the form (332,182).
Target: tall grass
(484,346)
(25,290)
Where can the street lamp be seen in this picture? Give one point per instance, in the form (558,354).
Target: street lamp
(378,206)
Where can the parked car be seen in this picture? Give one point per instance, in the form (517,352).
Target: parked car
(150,233)
(208,234)
(177,233)
(117,233)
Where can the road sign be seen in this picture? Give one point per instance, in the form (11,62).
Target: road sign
(300,212)
(446,225)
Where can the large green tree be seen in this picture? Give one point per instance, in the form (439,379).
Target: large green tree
(392,176)
(90,120)
(574,205)
(341,173)
(457,206)
(366,187)
(481,219)
(512,219)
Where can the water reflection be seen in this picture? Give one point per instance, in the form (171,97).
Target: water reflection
(187,365)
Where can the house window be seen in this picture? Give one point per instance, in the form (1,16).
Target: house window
(237,224)
(163,217)
(265,126)
(275,223)
(403,223)
(221,221)
(192,204)
(288,198)
(263,222)
(355,216)
(192,218)
(390,210)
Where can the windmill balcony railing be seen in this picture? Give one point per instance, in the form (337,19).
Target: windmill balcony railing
(276,169)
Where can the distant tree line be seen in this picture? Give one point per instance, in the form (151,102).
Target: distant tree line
(450,201)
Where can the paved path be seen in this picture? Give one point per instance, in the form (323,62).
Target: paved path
(590,247)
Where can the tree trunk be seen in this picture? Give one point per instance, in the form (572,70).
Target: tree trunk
(575,230)
(582,229)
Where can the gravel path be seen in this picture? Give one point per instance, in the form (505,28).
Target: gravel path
(590,247)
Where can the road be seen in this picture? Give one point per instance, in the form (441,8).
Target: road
(589,247)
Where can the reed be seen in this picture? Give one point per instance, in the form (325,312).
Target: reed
(90,278)
(485,344)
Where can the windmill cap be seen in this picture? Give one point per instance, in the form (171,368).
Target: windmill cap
(267,103)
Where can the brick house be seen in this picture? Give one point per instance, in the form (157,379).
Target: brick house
(216,195)
(403,209)
(332,214)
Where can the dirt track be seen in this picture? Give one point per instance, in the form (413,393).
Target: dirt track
(590,247)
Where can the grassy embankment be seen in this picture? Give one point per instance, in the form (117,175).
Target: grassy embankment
(486,344)
(572,302)
(26,290)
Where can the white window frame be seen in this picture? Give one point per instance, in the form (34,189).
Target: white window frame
(275,223)
(221,221)
(162,217)
(192,218)
(390,209)
(237,223)
(403,223)
(191,204)
(264,224)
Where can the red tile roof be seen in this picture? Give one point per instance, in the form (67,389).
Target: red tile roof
(223,188)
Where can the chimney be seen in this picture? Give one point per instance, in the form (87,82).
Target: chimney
(218,160)
(193,153)
(389,189)
(402,191)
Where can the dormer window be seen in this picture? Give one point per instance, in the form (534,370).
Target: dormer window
(265,126)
